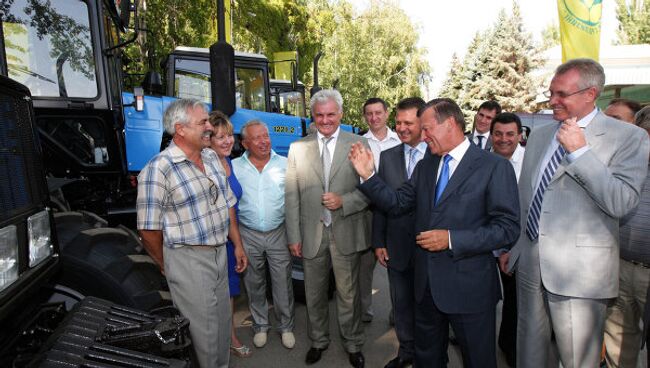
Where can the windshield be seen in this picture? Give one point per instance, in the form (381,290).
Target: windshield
(192,80)
(48,47)
(289,103)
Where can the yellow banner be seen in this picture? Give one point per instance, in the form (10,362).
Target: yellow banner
(580,28)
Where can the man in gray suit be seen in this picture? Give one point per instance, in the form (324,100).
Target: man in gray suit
(327,225)
(579,178)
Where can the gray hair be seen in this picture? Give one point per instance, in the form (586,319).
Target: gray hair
(178,112)
(591,73)
(642,118)
(250,123)
(326,95)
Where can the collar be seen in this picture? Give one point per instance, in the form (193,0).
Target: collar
(518,154)
(459,151)
(246,154)
(334,135)
(582,123)
(389,135)
(177,155)
(486,134)
(421,147)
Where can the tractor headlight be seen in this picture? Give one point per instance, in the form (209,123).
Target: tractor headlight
(40,237)
(8,256)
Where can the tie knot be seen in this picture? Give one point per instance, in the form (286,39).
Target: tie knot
(446,159)
(326,140)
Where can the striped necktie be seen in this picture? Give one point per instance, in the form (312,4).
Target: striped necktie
(413,160)
(534,213)
(326,217)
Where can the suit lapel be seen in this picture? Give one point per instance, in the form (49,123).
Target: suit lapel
(312,155)
(340,154)
(467,165)
(401,165)
(547,135)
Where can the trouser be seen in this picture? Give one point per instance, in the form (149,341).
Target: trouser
(198,282)
(348,302)
(623,334)
(577,323)
(403,296)
(270,247)
(366,272)
(508,329)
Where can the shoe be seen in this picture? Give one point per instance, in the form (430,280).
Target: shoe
(313,355)
(398,362)
(242,351)
(357,360)
(288,340)
(259,340)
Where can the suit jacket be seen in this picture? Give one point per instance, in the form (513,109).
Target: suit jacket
(304,187)
(479,206)
(578,241)
(394,232)
(488,144)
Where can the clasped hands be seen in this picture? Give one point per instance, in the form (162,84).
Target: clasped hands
(571,136)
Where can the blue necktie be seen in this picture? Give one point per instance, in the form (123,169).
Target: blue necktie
(444,177)
(480,141)
(532,222)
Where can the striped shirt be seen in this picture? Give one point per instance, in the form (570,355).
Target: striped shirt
(635,229)
(189,206)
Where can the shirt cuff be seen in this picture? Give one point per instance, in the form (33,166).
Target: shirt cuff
(497,252)
(449,237)
(577,153)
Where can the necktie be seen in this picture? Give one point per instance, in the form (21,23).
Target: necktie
(532,222)
(327,165)
(480,141)
(412,162)
(444,177)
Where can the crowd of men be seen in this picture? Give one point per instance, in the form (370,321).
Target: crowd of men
(558,229)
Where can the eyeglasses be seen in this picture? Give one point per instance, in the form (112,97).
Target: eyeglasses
(550,94)
(214,192)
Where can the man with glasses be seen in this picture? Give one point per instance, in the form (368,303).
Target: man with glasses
(579,177)
(184,221)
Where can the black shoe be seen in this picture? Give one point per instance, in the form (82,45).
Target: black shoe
(399,363)
(313,355)
(357,360)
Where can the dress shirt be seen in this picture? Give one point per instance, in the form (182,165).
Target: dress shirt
(517,160)
(186,204)
(261,206)
(456,155)
(421,148)
(485,136)
(555,144)
(331,145)
(378,145)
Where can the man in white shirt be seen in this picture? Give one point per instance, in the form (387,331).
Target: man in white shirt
(380,138)
(505,131)
(480,135)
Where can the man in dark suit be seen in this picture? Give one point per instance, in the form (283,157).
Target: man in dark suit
(480,135)
(393,237)
(464,209)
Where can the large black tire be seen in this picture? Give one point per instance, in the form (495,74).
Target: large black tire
(107,263)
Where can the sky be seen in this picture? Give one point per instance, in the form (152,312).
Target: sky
(448,26)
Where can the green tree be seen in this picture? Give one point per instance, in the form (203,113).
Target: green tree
(498,65)
(634,22)
(550,36)
(373,54)
(452,85)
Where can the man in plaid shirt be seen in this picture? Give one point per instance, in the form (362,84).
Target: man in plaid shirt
(184,203)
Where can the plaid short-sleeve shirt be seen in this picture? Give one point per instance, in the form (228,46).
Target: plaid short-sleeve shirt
(189,206)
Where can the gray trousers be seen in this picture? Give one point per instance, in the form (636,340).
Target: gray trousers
(262,248)
(578,323)
(198,282)
(348,301)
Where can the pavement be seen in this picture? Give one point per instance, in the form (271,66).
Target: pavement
(380,347)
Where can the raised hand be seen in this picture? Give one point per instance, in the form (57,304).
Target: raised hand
(362,160)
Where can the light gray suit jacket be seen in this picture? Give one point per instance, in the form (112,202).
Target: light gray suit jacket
(304,188)
(578,241)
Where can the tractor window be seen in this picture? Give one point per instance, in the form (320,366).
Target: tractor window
(49,48)
(192,80)
(290,103)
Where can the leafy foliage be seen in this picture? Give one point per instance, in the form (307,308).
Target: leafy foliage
(497,66)
(634,21)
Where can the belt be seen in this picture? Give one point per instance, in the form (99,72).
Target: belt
(641,264)
(204,245)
